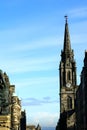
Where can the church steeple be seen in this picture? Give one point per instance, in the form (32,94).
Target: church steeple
(67,78)
(67,64)
(67,52)
(67,45)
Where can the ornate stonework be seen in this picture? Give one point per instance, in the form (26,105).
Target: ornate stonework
(5,122)
(16,112)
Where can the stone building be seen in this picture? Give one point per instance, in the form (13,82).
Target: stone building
(15,113)
(11,115)
(10,106)
(81,99)
(68,85)
(73,97)
(6,91)
(33,127)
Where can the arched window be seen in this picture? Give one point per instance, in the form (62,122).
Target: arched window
(68,75)
(69,102)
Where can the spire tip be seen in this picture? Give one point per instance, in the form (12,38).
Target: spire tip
(66,17)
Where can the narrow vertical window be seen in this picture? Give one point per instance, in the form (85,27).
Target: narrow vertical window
(69,102)
(68,75)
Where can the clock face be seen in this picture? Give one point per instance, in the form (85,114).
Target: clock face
(68,85)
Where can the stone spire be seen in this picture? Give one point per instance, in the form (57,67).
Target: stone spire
(67,52)
(67,64)
(67,45)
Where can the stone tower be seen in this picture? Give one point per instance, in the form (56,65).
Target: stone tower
(67,74)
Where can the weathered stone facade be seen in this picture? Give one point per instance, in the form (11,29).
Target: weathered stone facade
(5,122)
(10,106)
(6,91)
(15,113)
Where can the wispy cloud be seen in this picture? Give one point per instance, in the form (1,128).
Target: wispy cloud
(27,65)
(36,102)
(34,44)
(28,82)
(78,12)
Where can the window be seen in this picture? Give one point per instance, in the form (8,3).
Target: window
(69,102)
(68,75)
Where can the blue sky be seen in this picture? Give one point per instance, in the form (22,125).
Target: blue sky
(31,40)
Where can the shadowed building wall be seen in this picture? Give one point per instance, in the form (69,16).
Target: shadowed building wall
(81,99)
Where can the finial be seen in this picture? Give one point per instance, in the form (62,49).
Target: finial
(66,17)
